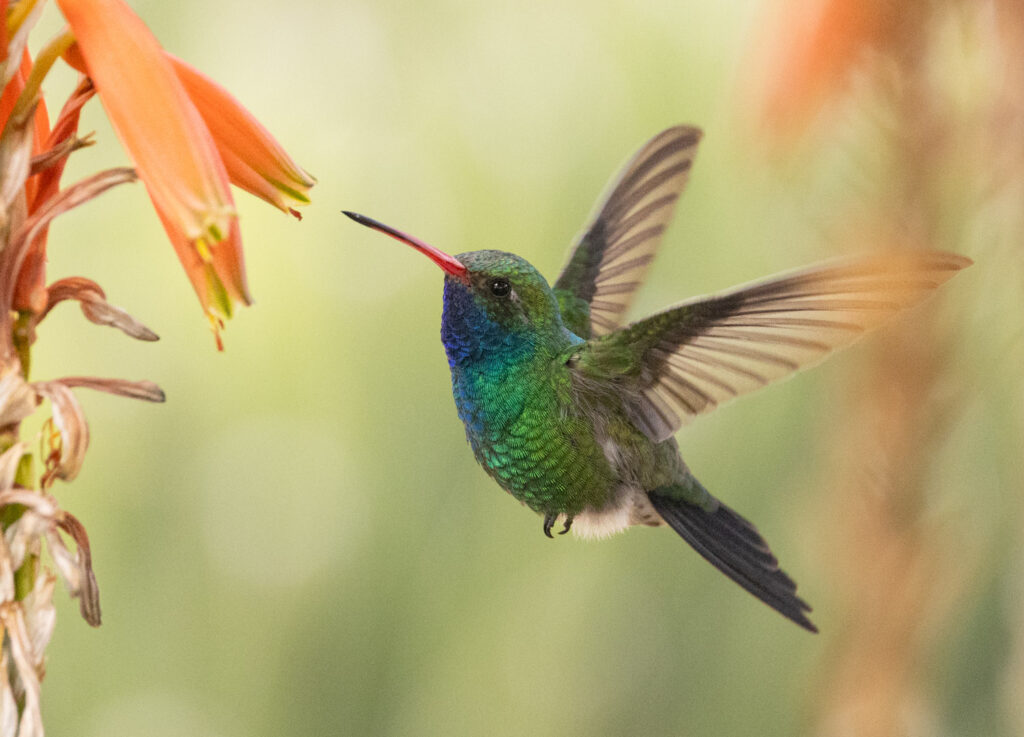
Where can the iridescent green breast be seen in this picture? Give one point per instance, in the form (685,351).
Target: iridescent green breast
(538,447)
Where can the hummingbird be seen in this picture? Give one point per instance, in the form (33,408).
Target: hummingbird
(574,413)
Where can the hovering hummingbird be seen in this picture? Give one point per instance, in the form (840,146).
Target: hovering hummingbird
(574,414)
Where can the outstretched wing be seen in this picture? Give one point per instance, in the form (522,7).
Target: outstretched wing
(687,360)
(610,259)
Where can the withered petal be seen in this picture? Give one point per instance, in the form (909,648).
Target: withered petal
(14,255)
(17,398)
(13,618)
(70,421)
(7,568)
(145,390)
(23,535)
(58,154)
(9,462)
(16,153)
(40,614)
(19,40)
(95,306)
(89,591)
(8,705)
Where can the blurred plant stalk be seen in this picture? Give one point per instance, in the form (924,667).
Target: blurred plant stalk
(189,139)
(935,87)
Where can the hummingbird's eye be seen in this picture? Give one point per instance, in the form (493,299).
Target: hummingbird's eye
(500,287)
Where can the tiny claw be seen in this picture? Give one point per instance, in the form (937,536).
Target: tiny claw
(568,525)
(549,521)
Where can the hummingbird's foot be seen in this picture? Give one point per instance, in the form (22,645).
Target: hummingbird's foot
(549,522)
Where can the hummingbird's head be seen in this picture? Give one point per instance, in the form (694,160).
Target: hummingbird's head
(495,303)
(505,289)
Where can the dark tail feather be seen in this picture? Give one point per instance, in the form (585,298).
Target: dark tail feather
(732,545)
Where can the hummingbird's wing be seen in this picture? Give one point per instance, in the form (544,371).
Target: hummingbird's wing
(610,259)
(690,358)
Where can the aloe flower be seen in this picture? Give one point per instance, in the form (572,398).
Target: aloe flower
(189,140)
(812,49)
(254,160)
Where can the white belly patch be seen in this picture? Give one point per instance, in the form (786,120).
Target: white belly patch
(634,508)
(593,525)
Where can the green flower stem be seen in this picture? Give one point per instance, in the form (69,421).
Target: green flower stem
(24,577)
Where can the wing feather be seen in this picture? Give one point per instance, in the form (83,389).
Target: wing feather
(609,261)
(690,358)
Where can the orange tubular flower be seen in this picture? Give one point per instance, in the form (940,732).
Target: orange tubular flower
(254,160)
(188,138)
(809,50)
(217,275)
(153,116)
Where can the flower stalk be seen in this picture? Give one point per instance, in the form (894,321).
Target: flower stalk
(187,158)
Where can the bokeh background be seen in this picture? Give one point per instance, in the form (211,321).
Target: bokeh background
(300,543)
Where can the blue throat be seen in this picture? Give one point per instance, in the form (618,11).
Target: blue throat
(483,357)
(473,341)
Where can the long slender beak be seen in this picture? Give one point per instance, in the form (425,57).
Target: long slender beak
(449,264)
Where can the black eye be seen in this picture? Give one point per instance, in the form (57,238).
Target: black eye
(500,287)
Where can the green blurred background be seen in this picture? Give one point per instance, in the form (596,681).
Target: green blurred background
(300,543)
